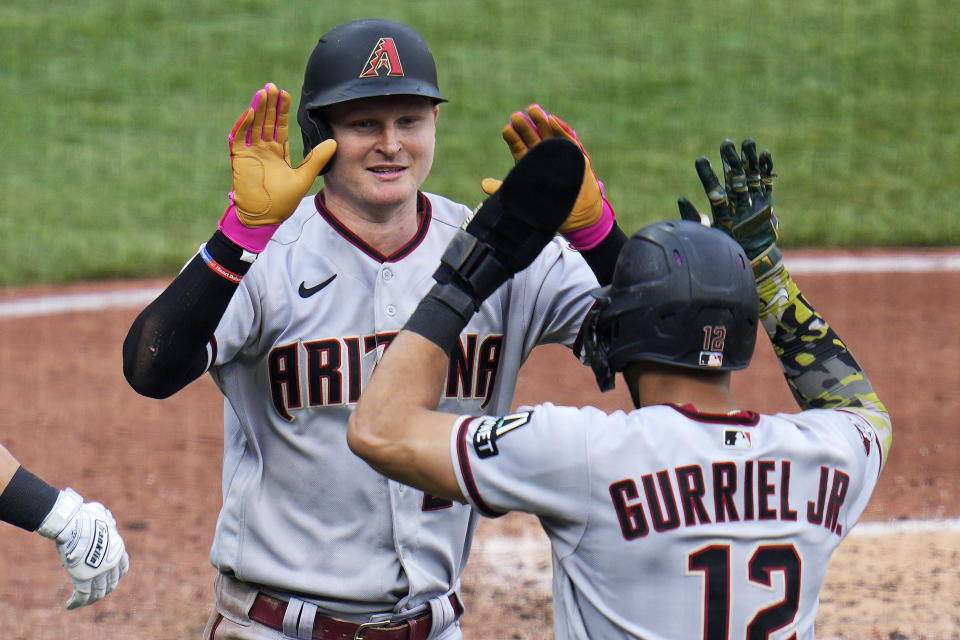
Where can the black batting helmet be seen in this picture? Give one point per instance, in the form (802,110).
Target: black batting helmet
(682,294)
(361,59)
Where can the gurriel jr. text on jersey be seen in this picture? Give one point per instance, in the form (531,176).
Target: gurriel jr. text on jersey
(725,492)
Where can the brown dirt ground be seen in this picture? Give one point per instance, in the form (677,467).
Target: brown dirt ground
(69,417)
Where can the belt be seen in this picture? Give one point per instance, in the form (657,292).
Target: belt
(270,611)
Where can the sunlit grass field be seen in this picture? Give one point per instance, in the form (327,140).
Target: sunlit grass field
(114,113)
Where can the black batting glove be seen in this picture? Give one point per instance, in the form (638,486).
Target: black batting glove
(743,206)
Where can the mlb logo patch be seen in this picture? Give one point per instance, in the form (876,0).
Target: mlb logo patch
(736,439)
(711,359)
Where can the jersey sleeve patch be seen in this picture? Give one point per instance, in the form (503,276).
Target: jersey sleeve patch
(874,429)
(492,428)
(469,483)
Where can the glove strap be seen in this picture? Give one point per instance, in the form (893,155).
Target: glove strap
(253,240)
(67,505)
(471,265)
(435,318)
(768,264)
(469,272)
(589,237)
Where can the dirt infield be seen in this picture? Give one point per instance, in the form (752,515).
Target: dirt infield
(69,416)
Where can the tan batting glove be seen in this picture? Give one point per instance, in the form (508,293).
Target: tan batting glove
(529,127)
(266,188)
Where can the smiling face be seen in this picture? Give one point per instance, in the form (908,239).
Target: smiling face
(384,153)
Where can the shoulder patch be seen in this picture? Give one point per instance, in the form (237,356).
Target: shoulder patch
(492,428)
(865,435)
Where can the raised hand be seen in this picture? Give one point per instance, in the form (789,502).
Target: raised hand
(266,188)
(533,125)
(743,206)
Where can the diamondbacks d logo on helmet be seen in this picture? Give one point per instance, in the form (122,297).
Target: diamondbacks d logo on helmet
(384,54)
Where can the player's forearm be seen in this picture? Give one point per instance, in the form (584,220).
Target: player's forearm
(820,370)
(8,467)
(166,347)
(407,381)
(396,428)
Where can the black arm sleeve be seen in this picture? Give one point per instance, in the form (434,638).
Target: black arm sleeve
(166,347)
(603,257)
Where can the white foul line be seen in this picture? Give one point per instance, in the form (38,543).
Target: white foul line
(527,553)
(70,302)
(892,262)
(874,263)
(879,528)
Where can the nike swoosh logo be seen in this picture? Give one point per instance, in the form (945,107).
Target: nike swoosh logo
(306,292)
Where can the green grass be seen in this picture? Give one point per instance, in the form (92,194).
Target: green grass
(113,160)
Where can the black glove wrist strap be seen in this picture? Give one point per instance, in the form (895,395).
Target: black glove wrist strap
(468,273)
(471,266)
(437,321)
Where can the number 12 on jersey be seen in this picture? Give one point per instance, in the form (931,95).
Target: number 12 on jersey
(713,562)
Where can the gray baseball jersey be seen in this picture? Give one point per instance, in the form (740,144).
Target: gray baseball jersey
(666,523)
(299,339)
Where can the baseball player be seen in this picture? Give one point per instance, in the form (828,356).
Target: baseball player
(91,549)
(289,306)
(689,517)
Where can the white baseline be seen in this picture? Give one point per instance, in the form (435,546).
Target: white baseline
(826,264)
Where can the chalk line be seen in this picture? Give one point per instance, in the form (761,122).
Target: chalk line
(71,302)
(529,550)
(892,262)
(874,263)
(529,556)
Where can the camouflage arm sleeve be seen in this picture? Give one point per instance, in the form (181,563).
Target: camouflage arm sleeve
(820,370)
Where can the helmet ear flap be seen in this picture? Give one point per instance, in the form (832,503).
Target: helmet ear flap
(596,344)
(315,129)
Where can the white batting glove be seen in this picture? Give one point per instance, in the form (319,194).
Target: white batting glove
(90,547)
